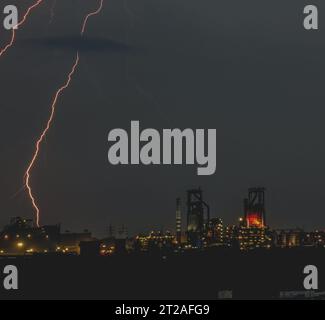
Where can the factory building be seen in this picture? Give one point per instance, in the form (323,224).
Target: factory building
(156,241)
(20,237)
(254,238)
(289,238)
(70,242)
(314,239)
(231,235)
(254,208)
(215,234)
(253,231)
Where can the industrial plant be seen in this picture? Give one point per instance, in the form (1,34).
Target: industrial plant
(199,231)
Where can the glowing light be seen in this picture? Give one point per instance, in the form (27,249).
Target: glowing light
(51,118)
(20,244)
(254,220)
(14,30)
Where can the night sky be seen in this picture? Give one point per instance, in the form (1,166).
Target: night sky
(246,68)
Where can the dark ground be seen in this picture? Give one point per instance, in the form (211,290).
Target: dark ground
(256,275)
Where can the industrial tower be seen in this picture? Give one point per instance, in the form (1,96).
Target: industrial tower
(198,216)
(254,208)
(178,222)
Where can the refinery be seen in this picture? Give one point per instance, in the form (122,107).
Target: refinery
(202,232)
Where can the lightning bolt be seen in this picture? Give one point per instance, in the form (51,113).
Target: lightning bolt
(14,29)
(94,13)
(49,123)
(42,137)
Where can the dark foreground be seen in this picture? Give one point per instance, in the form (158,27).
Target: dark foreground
(200,275)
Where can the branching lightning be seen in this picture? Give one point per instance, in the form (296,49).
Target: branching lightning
(14,30)
(49,123)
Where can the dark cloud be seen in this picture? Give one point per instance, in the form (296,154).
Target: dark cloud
(83,44)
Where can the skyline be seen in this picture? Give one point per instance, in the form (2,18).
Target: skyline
(122,80)
(180,219)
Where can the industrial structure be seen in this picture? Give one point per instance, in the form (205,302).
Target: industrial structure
(215,234)
(178,222)
(253,231)
(21,236)
(198,217)
(254,208)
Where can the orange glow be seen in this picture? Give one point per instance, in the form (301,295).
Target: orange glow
(254,220)
(13,32)
(50,121)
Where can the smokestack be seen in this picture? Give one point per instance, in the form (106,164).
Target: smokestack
(178,221)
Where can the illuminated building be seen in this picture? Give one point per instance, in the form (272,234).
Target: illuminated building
(155,242)
(117,242)
(21,237)
(231,234)
(314,239)
(253,232)
(107,246)
(70,242)
(215,234)
(289,238)
(141,243)
(254,238)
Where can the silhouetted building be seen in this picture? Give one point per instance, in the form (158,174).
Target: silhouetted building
(69,242)
(198,216)
(254,208)
(215,234)
(89,248)
(22,237)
